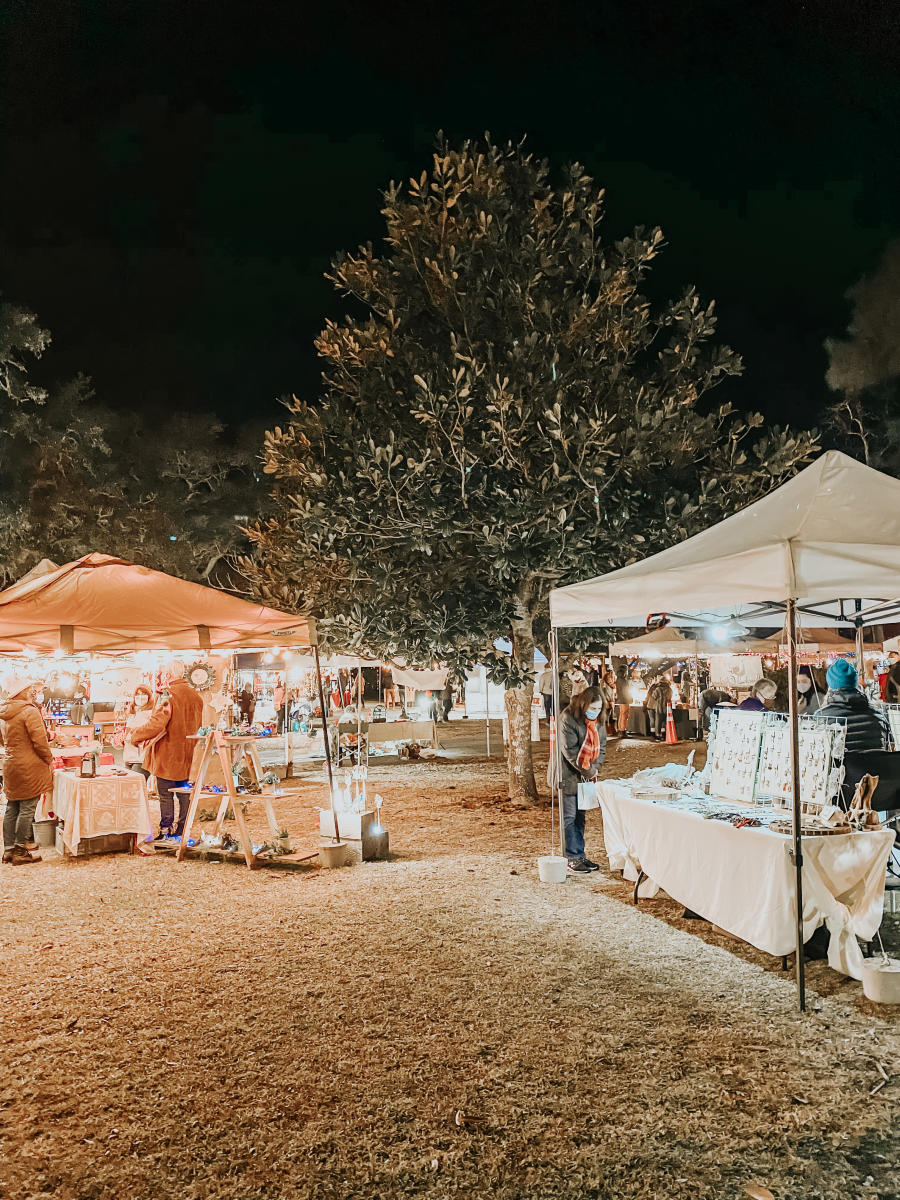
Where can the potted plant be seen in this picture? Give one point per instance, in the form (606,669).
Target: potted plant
(284,842)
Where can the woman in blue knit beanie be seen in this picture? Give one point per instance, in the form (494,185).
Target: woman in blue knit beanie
(866,728)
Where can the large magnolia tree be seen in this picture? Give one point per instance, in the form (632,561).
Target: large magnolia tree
(503,412)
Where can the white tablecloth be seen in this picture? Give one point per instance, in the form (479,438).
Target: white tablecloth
(743,879)
(106,804)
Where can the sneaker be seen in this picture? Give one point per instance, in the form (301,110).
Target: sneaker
(577,866)
(7,855)
(591,866)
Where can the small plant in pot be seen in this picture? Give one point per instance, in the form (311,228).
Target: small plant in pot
(284,842)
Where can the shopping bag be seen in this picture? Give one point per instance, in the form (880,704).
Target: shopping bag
(588,795)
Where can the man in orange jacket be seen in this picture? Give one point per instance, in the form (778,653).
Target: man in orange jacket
(169,755)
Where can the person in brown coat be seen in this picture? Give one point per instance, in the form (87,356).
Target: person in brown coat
(169,754)
(28,769)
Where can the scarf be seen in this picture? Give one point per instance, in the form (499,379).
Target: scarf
(590,747)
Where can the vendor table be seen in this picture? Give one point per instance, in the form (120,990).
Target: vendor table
(743,879)
(99,806)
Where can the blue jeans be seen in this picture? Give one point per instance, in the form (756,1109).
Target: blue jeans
(573,822)
(167,804)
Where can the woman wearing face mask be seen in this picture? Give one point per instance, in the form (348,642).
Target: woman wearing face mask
(582,743)
(136,715)
(808,700)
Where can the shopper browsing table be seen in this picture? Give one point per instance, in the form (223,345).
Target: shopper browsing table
(545,686)
(27,771)
(582,744)
(866,729)
(278,697)
(136,715)
(168,733)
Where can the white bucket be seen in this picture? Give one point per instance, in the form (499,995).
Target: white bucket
(552,868)
(881,980)
(45,832)
(333,854)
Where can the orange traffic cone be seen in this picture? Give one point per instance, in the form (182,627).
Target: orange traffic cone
(671,735)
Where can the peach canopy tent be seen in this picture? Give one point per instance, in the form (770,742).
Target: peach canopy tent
(103,604)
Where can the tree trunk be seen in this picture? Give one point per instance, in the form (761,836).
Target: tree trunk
(522,786)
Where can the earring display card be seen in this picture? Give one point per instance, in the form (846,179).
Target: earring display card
(893,716)
(734,754)
(821,747)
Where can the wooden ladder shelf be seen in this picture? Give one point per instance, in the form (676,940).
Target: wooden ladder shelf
(230,750)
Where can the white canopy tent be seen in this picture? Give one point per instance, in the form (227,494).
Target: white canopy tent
(822,549)
(670,642)
(824,539)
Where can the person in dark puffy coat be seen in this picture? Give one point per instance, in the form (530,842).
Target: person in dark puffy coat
(866,728)
(28,769)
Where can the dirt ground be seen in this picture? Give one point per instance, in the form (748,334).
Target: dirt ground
(438,1025)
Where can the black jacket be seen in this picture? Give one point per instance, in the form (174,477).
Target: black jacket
(866,729)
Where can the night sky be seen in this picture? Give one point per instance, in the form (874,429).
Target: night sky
(177,175)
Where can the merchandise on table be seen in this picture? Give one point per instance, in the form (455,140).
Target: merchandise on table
(821,761)
(733,753)
(746,884)
(892,712)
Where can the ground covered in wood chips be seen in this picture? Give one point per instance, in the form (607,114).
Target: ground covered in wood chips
(437,1025)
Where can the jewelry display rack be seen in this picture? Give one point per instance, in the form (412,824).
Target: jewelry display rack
(821,761)
(735,739)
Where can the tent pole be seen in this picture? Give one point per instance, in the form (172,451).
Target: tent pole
(487,711)
(315,644)
(359,686)
(557,789)
(697,696)
(287,729)
(795,790)
(860,657)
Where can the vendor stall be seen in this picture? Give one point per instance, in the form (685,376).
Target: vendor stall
(740,876)
(88,613)
(823,549)
(114,802)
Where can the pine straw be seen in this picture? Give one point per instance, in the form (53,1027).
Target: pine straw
(438,1025)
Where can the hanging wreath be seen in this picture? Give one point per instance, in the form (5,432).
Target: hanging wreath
(200,676)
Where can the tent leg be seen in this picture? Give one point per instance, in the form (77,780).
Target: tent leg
(487,712)
(337,835)
(696,698)
(795,790)
(860,655)
(557,789)
(289,768)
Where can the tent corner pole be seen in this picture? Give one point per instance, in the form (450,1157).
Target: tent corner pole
(860,646)
(337,835)
(557,752)
(797,849)
(289,762)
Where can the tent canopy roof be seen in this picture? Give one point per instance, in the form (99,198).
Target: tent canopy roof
(101,603)
(670,642)
(825,538)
